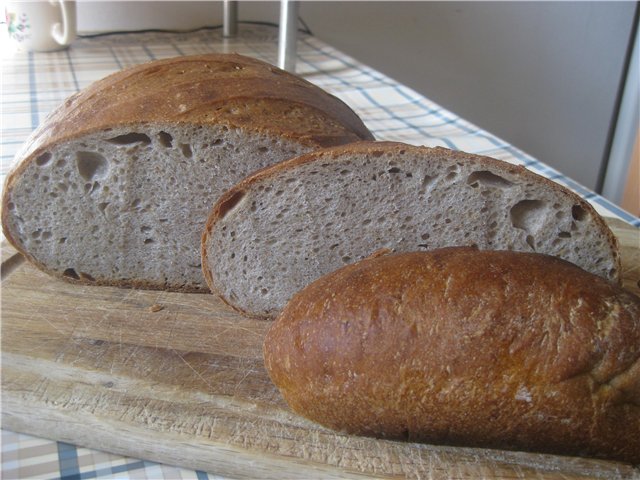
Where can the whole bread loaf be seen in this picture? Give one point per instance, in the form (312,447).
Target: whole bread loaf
(283,227)
(457,346)
(116,184)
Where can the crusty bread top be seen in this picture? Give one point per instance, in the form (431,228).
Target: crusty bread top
(226,89)
(460,346)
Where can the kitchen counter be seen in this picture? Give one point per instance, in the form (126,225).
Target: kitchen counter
(35,83)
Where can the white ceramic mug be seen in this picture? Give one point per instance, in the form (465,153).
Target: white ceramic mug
(41,26)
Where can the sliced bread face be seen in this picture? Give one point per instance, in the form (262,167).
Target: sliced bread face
(127,206)
(285,226)
(114,188)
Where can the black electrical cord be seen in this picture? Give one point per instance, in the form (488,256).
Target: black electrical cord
(305,29)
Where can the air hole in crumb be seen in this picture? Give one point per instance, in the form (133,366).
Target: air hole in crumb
(230,203)
(346,259)
(394,170)
(165,139)
(147,241)
(264,291)
(43,159)
(564,235)
(423,245)
(578,213)
(531,242)
(62,240)
(263,149)
(427,180)
(145,229)
(487,178)
(87,277)
(528,215)
(91,165)
(130,138)
(185,148)
(71,273)
(91,187)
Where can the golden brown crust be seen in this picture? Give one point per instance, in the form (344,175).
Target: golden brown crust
(203,89)
(459,346)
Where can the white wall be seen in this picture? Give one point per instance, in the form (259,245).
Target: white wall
(105,15)
(542,75)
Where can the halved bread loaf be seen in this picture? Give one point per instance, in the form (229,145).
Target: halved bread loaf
(116,185)
(285,226)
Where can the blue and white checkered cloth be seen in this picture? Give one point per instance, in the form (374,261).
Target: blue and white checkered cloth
(33,84)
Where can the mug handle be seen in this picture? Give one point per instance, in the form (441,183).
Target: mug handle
(66,33)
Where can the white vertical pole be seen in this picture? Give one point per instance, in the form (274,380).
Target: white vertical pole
(230,18)
(287,41)
(626,129)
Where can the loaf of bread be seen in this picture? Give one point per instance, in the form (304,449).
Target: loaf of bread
(283,227)
(460,346)
(116,184)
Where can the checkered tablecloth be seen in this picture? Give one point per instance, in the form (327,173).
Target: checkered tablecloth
(34,83)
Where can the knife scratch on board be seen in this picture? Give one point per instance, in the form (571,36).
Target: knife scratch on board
(194,370)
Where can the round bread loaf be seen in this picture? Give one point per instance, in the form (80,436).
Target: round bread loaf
(115,186)
(458,346)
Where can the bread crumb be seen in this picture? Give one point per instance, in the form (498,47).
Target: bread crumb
(156,307)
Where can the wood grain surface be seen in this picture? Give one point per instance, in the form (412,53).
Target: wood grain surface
(179,379)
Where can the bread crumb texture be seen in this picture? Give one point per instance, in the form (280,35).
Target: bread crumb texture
(130,204)
(458,346)
(309,216)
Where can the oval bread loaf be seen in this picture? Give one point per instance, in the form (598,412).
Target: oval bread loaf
(458,346)
(115,186)
(283,227)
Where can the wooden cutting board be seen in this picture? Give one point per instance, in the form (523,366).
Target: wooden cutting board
(179,379)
